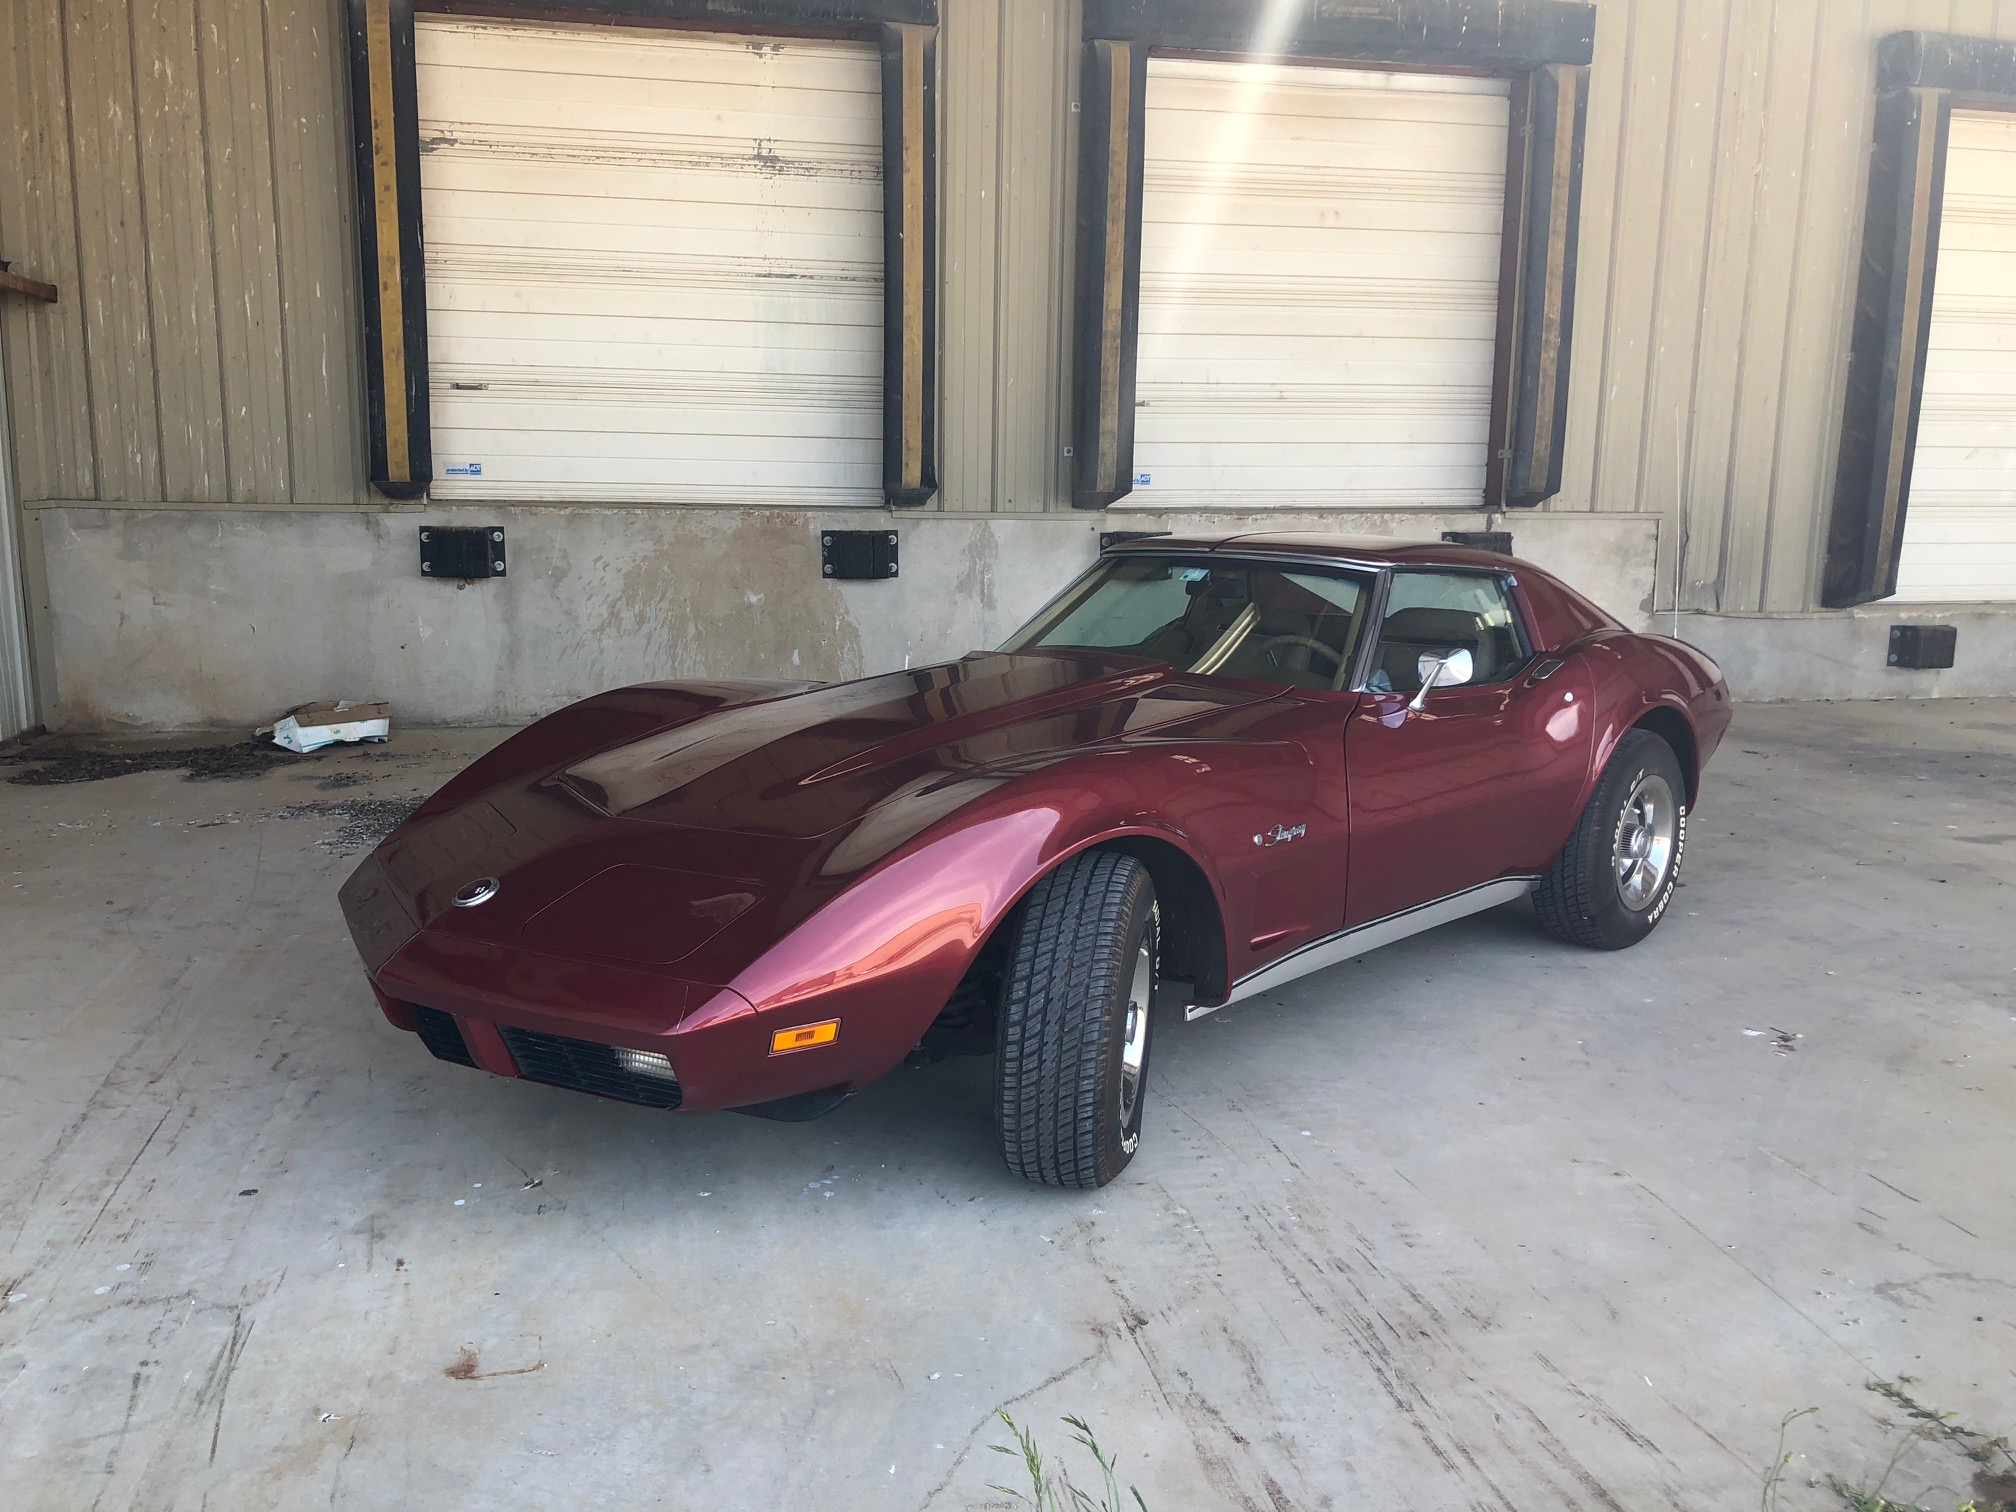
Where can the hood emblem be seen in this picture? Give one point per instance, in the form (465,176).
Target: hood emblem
(482,890)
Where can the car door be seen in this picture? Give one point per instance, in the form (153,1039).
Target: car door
(1479,782)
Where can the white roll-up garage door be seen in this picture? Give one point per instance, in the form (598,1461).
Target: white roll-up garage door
(654,264)
(1960,523)
(1319,278)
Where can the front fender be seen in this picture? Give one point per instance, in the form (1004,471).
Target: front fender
(884,955)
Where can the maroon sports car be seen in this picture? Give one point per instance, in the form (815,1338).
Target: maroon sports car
(1206,768)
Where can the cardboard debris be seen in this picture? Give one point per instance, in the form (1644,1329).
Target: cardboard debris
(315,725)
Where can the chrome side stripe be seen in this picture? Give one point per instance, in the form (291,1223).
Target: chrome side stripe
(1360,938)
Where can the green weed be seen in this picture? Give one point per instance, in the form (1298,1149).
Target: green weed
(1994,1478)
(1050,1485)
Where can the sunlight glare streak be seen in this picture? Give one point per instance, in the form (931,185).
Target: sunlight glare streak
(1234,144)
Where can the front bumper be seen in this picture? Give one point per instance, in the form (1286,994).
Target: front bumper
(636,1033)
(594,1027)
(631,1035)
(636,1076)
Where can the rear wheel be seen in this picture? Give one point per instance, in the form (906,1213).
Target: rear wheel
(1615,877)
(1071,1064)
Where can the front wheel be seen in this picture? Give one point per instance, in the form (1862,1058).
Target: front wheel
(1615,877)
(1071,1067)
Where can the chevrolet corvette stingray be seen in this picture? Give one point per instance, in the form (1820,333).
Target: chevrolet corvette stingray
(1206,768)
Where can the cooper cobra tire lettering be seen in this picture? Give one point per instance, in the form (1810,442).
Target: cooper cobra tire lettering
(1673,875)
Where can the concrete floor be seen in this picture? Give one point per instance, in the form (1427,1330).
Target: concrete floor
(1479,1221)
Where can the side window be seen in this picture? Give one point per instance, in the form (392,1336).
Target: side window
(1212,619)
(1132,602)
(1302,632)
(1446,611)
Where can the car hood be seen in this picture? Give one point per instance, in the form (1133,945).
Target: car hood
(807,764)
(687,846)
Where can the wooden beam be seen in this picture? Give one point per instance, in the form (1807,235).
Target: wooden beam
(909,263)
(1543,190)
(1942,60)
(842,17)
(385,123)
(1886,348)
(1499,36)
(33,288)
(1111,160)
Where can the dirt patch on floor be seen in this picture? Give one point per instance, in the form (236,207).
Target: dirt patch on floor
(355,824)
(49,765)
(335,782)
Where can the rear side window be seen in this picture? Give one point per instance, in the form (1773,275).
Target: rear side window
(1440,612)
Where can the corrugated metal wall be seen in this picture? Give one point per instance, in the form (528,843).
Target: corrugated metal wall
(188,190)
(1008,148)
(178,168)
(1722,203)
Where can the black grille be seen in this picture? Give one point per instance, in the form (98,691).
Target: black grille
(585,1067)
(442,1035)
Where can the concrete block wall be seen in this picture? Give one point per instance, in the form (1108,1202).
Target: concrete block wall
(175,619)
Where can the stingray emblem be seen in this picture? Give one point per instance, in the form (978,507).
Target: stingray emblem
(482,890)
(1281,835)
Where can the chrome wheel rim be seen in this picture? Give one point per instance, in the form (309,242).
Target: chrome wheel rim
(1134,1039)
(1648,830)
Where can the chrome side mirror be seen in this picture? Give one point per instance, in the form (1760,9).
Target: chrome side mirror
(1450,670)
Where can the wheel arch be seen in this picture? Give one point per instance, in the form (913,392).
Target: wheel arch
(899,989)
(1193,918)
(1193,923)
(1673,727)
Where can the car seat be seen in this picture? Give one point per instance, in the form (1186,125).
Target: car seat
(1214,604)
(1409,634)
(1288,662)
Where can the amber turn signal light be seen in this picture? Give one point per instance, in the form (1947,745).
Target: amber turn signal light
(804,1037)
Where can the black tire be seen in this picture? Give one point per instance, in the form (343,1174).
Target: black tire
(1584,898)
(1064,1021)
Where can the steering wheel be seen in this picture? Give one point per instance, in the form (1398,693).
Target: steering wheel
(1336,658)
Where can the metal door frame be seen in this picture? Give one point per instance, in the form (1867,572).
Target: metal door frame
(18,703)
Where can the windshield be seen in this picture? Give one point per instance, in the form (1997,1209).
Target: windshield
(1228,619)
